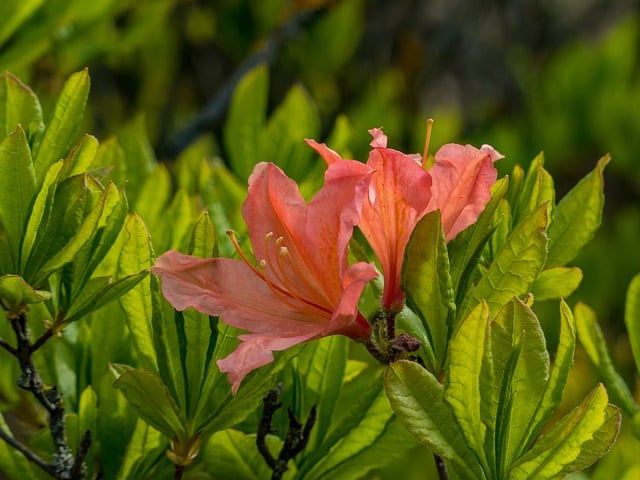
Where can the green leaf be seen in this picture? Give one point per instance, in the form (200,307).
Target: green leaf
(40,212)
(94,298)
(520,372)
(14,14)
(18,104)
(136,256)
(585,433)
(62,131)
(245,120)
(417,398)
(17,189)
(318,373)
(465,249)
(463,389)
(558,374)
(556,282)
(536,190)
(14,291)
(577,217)
(232,454)
(632,318)
(144,441)
(517,264)
(594,343)
(139,155)
(151,400)
(427,282)
(376,440)
(83,234)
(81,157)
(282,141)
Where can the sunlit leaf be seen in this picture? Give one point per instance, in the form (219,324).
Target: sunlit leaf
(417,398)
(463,389)
(427,282)
(585,433)
(632,318)
(14,291)
(136,303)
(556,282)
(594,343)
(17,188)
(517,265)
(18,103)
(536,190)
(63,128)
(577,217)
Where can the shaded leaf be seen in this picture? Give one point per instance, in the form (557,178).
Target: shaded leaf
(556,282)
(632,318)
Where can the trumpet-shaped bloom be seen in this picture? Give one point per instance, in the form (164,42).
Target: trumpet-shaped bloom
(301,287)
(401,192)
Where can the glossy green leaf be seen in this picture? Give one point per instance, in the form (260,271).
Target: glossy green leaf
(536,190)
(232,454)
(106,292)
(15,291)
(517,264)
(82,156)
(83,234)
(62,131)
(520,372)
(558,375)
(40,212)
(632,318)
(245,121)
(282,142)
(151,400)
(135,256)
(556,282)
(427,282)
(594,343)
(417,398)
(464,390)
(197,331)
(17,188)
(465,249)
(18,105)
(375,441)
(584,433)
(577,217)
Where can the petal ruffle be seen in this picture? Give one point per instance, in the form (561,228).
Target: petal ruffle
(462,179)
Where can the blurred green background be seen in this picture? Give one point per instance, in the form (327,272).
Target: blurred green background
(526,76)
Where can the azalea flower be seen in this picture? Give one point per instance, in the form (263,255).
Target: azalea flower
(301,287)
(402,192)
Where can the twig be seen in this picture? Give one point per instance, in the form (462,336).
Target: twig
(64,465)
(8,347)
(213,112)
(441,467)
(295,440)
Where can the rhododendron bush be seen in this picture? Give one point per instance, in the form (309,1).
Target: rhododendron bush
(290,311)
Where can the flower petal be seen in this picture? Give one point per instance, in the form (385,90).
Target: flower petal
(462,179)
(254,352)
(400,193)
(229,288)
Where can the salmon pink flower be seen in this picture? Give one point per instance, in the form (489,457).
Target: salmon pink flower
(301,288)
(402,192)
